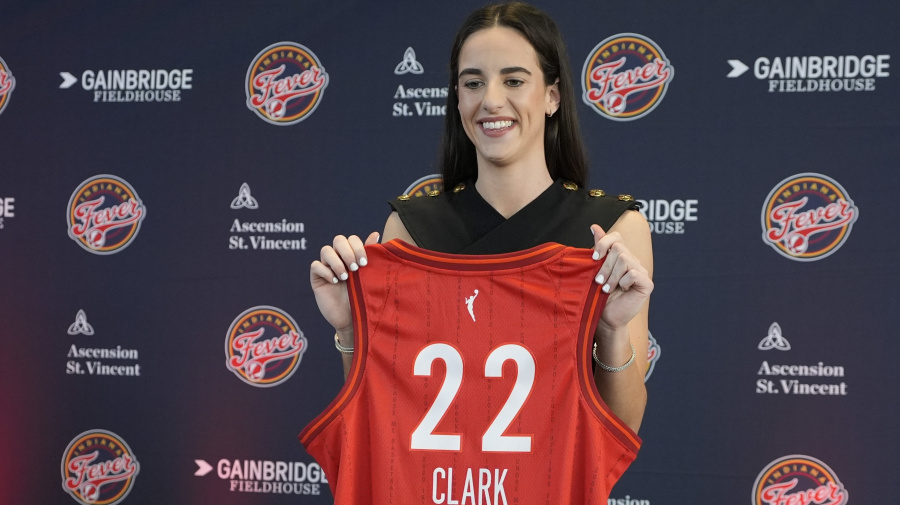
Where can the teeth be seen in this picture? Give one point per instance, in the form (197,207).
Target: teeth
(496,125)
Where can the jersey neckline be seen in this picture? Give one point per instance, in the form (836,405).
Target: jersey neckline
(480,262)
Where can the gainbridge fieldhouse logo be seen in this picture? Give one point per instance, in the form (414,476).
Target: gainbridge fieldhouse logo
(264,346)
(285,83)
(104,214)
(98,468)
(7,83)
(798,479)
(625,77)
(807,217)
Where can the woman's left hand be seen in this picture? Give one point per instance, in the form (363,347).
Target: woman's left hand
(622,276)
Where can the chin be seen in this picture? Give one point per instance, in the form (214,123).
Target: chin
(497,156)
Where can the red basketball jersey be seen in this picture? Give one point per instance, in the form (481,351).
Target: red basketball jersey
(471,383)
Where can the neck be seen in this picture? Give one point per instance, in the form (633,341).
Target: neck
(509,189)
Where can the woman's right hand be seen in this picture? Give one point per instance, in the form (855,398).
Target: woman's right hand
(328,274)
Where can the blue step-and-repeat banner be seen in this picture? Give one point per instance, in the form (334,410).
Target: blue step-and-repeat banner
(168,171)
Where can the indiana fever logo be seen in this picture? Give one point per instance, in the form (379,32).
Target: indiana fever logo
(807,217)
(99,468)
(425,186)
(625,77)
(285,83)
(7,83)
(798,479)
(653,353)
(264,346)
(104,214)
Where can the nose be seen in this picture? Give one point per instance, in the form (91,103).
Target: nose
(494,97)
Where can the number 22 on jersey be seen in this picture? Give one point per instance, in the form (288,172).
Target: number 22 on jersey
(493,439)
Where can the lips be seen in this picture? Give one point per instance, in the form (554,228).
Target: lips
(496,126)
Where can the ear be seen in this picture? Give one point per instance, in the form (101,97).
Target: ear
(552,98)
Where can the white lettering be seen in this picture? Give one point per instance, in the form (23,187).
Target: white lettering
(794,69)
(7,207)
(490,485)
(409,93)
(434,485)
(818,370)
(761,68)
(794,386)
(131,79)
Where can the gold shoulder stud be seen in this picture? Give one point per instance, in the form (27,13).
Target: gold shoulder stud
(598,192)
(571,186)
(459,187)
(626,198)
(403,198)
(434,192)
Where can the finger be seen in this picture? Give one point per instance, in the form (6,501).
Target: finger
(319,270)
(332,260)
(619,270)
(345,251)
(359,250)
(370,240)
(636,279)
(611,254)
(598,234)
(633,279)
(604,243)
(628,280)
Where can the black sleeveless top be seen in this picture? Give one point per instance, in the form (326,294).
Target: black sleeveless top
(460,221)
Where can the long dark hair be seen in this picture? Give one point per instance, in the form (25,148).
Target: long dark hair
(563,149)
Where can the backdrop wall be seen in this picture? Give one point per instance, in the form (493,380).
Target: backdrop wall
(201,153)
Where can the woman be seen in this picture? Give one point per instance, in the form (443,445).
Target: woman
(511,152)
(512,94)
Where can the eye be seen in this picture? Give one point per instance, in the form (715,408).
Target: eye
(473,84)
(514,82)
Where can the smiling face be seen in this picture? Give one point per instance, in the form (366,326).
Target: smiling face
(503,100)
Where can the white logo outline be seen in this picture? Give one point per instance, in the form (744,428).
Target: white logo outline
(80,326)
(737,68)
(244,200)
(470,301)
(68,80)
(203,468)
(774,340)
(409,65)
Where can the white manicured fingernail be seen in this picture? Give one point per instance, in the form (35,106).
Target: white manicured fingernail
(354,267)
(334,280)
(599,279)
(592,231)
(596,256)
(363,262)
(606,288)
(344,276)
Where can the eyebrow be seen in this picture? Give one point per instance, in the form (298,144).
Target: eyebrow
(503,71)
